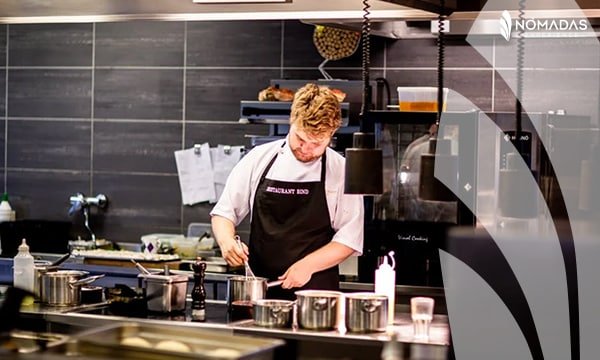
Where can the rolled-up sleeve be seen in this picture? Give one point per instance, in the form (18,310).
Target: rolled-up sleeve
(348,221)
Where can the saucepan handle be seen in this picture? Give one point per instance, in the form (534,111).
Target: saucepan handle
(85,281)
(274,283)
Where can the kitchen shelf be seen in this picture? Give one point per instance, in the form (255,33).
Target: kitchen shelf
(275,112)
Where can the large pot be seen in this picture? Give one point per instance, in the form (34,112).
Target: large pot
(63,287)
(318,309)
(366,312)
(40,267)
(273,313)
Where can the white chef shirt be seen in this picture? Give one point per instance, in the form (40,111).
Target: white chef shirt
(345,211)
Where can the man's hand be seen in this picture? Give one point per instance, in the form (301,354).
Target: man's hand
(296,275)
(232,253)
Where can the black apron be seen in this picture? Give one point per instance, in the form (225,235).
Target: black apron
(289,221)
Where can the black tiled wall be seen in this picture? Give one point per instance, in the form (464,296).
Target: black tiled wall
(100,108)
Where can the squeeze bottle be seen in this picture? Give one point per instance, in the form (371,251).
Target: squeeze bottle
(385,283)
(23,268)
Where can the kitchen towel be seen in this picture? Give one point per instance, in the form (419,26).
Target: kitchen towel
(196,176)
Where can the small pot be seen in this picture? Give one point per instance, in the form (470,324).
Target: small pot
(165,293)
(273,313)
(366,312)
(63,287)
(317,309)
(248,289)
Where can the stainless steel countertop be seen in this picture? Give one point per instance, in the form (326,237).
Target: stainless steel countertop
(439,333)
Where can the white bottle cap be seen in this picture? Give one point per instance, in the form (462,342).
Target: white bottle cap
(385,264)
(24,246)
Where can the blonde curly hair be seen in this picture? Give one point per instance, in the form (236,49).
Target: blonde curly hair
(316,110)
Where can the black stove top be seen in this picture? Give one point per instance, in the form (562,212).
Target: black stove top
(216,313)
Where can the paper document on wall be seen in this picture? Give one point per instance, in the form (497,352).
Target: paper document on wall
(196,176)
(224,159)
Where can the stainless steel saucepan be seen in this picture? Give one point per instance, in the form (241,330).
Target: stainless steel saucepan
(318,309)
(63,287)
(366,312)
(273,313)
(247,289)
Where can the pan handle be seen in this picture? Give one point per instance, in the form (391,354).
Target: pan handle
(274,283)
(85,281)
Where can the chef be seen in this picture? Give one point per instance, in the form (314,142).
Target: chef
(302,224)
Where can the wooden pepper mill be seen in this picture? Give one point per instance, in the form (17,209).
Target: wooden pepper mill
(199,292)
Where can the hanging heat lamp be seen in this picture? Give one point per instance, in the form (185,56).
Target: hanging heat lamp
(364,162)
(517,194)
(439,154)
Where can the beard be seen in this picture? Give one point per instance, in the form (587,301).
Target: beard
(305,158)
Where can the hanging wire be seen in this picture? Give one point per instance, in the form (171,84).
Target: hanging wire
(366,57)
(440,70)
(520,63)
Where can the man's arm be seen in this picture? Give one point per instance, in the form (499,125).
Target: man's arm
(301,271)
(224,232)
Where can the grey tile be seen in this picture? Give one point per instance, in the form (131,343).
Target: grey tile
(137,43)
(300,51)
(139,94)
(225,134)
(44,194)
(136,147)
(424,53)
(471,86)
(197,213)
(504,97)
(201,213)
(50,45)
(234,43)
(139,204)
(49,144)
(551,53)
(544,90)
(50,93)
(3,45)
(216,94)
(2,93)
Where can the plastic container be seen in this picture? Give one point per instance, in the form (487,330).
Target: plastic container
(6,211)
(385,283)
(420,98)
(23,269)
(186,248)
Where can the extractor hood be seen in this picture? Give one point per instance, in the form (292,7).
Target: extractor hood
(399,19)
(69,11)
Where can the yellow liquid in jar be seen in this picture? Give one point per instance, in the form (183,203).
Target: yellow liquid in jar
(419,106)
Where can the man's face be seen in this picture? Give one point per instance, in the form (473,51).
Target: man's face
(308,147)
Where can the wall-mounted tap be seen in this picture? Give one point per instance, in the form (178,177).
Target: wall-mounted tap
(80,202)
